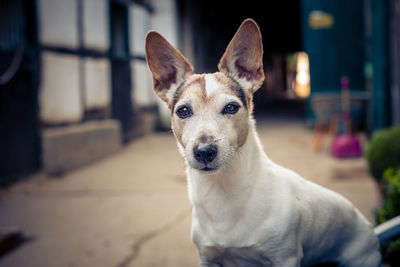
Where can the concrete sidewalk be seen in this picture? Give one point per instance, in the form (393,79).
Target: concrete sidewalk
(132,209)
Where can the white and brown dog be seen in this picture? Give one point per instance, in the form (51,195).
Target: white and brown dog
(247,210)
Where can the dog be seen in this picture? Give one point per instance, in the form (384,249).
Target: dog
(248,210)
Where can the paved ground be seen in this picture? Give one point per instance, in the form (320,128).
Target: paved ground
(131,209)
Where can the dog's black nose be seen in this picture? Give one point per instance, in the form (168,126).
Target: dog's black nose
(205,153)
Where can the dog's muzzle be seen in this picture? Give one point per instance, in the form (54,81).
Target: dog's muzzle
(205,153)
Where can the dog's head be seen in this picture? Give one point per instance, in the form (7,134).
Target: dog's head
(210,112)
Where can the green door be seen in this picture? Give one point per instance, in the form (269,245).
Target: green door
(333,38)
(349,38)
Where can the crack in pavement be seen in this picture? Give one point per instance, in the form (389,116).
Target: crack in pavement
(137,246)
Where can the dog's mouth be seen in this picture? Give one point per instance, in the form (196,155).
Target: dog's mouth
(208,169)
(204,168)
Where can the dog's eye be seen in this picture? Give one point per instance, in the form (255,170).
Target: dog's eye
(184,112)
(231,108)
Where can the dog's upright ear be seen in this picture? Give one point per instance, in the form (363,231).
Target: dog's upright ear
(168,66)
(242,60)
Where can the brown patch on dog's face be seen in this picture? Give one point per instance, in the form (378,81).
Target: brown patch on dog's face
(240,123)
(235,87)
(193,87)
(210,109)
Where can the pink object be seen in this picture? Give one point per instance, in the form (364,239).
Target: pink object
(346,146)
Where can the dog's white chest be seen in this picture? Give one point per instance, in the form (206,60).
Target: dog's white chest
(246,256)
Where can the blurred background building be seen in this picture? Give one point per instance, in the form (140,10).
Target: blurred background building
(74,83)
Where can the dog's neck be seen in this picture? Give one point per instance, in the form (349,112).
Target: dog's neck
(223,193)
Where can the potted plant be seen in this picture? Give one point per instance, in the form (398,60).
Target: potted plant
(383,151)
(390,188)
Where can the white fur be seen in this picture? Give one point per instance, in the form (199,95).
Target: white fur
(170,92)
(245,84)
(211,84)
(254,212)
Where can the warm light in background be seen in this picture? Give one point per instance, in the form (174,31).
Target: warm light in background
(302,83)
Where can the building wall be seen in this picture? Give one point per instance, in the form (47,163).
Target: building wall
(97,83)
(72,82)
(75,40)
(97,80)
(96,24)
(19,124)
(60,96)
(140,24)
(164,20)
(58,23)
